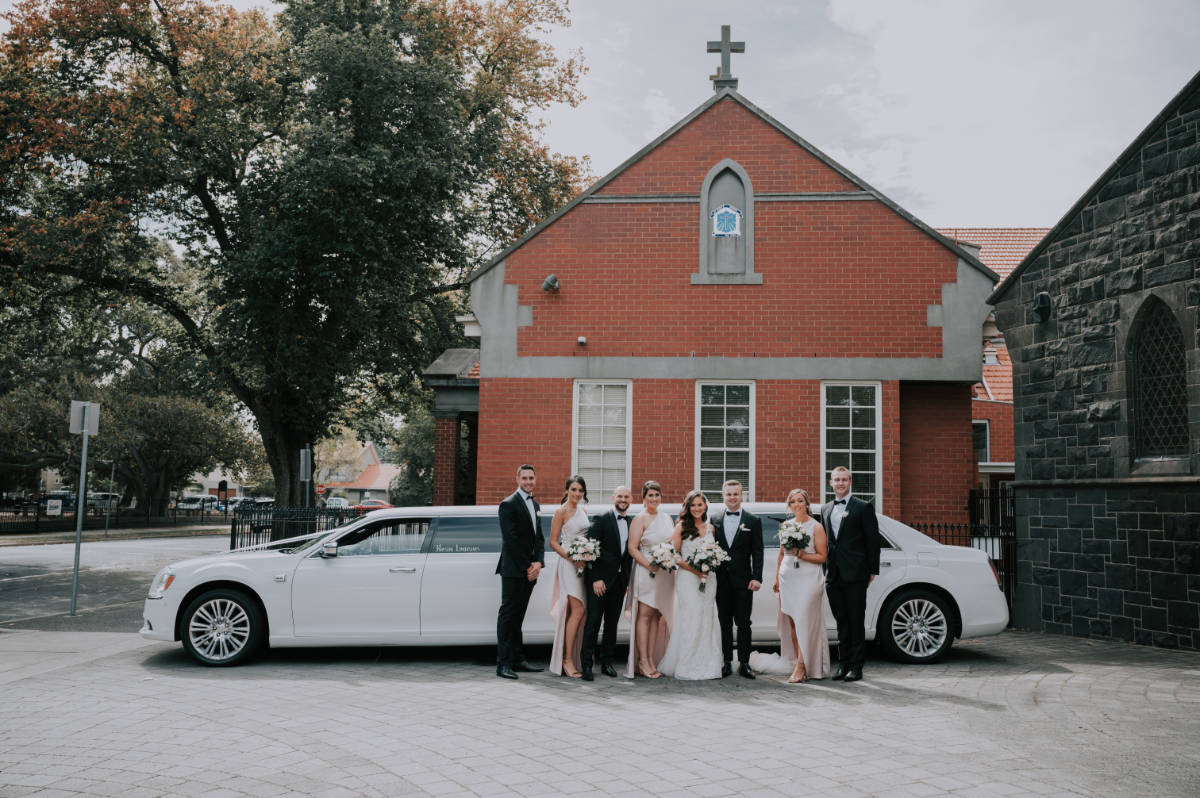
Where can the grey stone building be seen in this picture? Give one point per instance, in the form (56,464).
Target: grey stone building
(1101,320)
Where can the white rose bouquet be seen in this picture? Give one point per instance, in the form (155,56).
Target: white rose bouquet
(582,550)
(664,556)
(792,536)
(706,558)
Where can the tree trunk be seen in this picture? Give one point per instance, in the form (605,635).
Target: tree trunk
(283,442)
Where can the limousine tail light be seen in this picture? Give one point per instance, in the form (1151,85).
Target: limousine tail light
(161,583)
(995,573)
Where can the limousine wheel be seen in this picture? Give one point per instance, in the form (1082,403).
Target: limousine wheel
(915,627)
(222,627)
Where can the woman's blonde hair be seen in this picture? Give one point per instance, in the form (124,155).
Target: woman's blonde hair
(800,492)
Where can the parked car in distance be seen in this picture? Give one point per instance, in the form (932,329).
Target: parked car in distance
(366,505)
(195,503)
(425,576)
(337,503)
(100,503)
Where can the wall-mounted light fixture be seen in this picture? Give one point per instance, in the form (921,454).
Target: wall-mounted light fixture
(1042,307)
(550,283)
(581,341)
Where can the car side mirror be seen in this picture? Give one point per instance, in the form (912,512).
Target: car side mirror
(329,550)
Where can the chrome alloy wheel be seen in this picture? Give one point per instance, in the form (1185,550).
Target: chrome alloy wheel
(919,628)
(219,629)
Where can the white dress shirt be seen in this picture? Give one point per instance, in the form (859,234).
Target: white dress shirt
(529,506)
(731,522)
(622,530)
(836,511)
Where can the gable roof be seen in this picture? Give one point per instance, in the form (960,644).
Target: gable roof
(1000,248)
(1132,150)
(730,94)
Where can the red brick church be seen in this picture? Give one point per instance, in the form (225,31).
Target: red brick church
(728,303)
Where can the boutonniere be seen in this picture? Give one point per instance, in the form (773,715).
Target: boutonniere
(743,528)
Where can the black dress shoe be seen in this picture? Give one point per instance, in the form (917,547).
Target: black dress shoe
(608,670)
(505,672)
(726,670)
(745,672)
(587,675)
(853,675)
(839,674)
(525,667)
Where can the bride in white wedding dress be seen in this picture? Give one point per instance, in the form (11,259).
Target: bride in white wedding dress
(694,651)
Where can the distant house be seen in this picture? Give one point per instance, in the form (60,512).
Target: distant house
(1103,322)
(366,478)
(1001,249)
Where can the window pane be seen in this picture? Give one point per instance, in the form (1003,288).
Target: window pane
(614,415)
(738,417)
(712,416)
(738,438)
(837,395)
(711,438)
(589,394)
(712,394)
(710,459)
(862,462)
(614,436)
(862,482)
(738,460)
(741,476)
(590,436)
(863,395)
(591,415)
(589,458)
(836,417)
(863,418)
(837,439)
(835,459)
(863,439)
(738,395)
(711,480)
(614,461)
(614,394)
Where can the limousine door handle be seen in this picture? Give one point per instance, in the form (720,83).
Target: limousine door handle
(402,569)
(884,564)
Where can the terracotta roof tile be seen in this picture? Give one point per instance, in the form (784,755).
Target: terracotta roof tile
(1001,248)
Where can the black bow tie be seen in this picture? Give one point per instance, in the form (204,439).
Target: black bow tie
(840,501)
(621,518)
(733,515)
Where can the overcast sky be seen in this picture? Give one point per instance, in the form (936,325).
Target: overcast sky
(965,112)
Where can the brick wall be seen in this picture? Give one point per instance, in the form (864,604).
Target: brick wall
(641,258)
(936,463)
(523,421)
(999,416)
(445,459)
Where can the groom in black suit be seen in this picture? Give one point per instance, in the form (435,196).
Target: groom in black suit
(522,555)
(852,564)
(605,580)
(739,532)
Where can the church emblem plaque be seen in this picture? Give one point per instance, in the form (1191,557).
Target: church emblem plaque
(726,221)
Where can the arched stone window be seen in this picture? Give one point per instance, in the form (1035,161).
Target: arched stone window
(1157,370)
(727,227)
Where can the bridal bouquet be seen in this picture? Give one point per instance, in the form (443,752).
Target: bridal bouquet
(792,536)
(581,550)
(705,558)
(664,556)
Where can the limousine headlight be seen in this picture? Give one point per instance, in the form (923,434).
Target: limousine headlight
(161,583)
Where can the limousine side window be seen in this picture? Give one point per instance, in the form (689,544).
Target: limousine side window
(476,534)
(393,536)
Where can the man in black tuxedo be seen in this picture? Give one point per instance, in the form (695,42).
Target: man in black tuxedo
(605,580)
(522,555)
(740,533)
(852,564)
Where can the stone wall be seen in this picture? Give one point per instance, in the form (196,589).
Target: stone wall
(1109,544)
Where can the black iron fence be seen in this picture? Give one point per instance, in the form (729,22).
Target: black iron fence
(254,525)
(31,518)
(992,528)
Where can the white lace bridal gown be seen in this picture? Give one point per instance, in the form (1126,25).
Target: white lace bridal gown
(694,651)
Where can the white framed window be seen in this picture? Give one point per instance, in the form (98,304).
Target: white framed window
(851,422)
(601,434)
(724,437)
(981,441)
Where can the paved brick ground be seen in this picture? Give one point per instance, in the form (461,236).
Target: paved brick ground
(1018,714)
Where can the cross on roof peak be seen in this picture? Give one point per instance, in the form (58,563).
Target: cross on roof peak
(722,79)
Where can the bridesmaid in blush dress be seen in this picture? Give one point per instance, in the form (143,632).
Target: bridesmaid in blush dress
(800,583)
(567,605)
(652,591)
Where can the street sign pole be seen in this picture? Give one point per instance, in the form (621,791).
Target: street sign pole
(80,504)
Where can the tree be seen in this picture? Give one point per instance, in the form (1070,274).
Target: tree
(330,176)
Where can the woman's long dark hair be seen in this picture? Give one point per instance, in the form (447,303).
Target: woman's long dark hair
(571,480)
(685,514)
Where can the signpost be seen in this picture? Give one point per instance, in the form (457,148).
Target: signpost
(85,420)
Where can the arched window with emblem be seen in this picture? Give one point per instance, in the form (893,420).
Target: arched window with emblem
(1157,368)
(727,227)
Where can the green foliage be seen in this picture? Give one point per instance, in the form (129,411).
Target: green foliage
(326,179)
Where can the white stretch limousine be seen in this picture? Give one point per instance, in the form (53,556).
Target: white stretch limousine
(425,576)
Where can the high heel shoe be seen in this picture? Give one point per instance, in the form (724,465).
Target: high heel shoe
(647,670)
(798,676)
